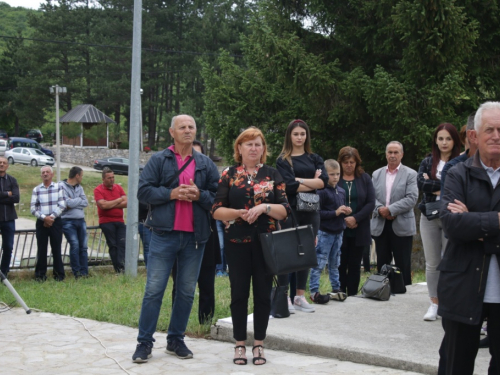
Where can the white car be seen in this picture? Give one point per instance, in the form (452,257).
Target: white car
(31,156)
(3,146)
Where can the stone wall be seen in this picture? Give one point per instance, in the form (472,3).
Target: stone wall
(86,156)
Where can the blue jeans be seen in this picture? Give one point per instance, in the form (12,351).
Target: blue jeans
(75,231)
(220,231)
(165,249)
(8,228)
(145,234)
(327,249)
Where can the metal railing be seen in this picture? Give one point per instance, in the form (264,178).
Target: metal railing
(25,249)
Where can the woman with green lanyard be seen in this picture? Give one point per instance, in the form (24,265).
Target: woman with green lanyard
(360,197)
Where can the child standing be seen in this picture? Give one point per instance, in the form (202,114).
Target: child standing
(332,213)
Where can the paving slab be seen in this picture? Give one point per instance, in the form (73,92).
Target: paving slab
(46,343)
(389,334)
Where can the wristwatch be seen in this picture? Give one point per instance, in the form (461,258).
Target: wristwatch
(268,209)
(301,181)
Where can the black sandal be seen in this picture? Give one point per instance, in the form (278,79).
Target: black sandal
(240,354)
(260,357)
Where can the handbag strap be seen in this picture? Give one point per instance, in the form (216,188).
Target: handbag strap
(300,247)
(179,171)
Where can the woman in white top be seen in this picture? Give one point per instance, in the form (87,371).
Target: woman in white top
(445,146)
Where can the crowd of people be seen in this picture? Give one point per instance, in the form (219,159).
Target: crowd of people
(189,213)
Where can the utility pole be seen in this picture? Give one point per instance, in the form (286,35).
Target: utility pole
(58,90)
(132,237)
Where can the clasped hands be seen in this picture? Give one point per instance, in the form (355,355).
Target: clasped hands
(252,214)
(48,221)
(184,192)
(386,213)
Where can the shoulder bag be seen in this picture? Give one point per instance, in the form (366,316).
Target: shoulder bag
(377,287)
(306,201)
(289,250)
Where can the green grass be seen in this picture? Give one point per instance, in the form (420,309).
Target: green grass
(117,299)
(28,177)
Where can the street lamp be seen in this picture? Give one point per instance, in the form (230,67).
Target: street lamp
(58,90)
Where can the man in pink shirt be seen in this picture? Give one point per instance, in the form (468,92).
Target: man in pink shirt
(111,200)
(179,185)
(393,222)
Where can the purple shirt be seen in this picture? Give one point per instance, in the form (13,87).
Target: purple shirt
(184,219)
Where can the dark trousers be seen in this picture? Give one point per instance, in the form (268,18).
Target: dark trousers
(303,218)
(206,287)
(115,233)
(390,245)
(246,265)
(8,228)
(43,234)
(366,258)
(461,342)
(350,266)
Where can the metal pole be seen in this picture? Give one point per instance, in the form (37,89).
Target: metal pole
(58,146)
(132,246)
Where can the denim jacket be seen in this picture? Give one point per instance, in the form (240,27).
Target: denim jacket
(153,190)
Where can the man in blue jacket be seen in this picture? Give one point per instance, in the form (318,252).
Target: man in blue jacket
(73,222)
(179,217)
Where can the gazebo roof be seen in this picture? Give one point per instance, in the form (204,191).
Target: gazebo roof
(86,113)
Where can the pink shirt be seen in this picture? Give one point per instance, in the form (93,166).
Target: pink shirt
(389,181)
(184,219)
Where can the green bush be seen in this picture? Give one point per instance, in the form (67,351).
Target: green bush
(123,145)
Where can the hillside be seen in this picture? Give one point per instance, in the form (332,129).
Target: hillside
(12,20)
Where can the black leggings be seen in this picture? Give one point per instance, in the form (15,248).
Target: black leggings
(303,218)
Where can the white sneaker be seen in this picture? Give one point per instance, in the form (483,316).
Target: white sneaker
(290,306)
(301,304)
(431,314)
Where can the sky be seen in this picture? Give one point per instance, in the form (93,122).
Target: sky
(33,4)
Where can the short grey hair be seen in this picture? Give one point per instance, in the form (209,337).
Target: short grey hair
(47,166)
(478,119)
(470,121)
(174,119)
(395,143)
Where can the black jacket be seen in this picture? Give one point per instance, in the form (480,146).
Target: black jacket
(7,209)
(464,268)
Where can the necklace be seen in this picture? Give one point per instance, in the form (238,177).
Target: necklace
(349,187)
(251,176)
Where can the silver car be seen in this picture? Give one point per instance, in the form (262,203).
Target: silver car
(31,156)
(3,146)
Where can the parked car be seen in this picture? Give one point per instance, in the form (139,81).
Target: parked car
(3,134)
(26,142)
(117,165)
(24,155)
(35,134)
(3,146)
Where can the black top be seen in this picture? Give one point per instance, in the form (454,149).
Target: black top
(236,191)
(304,166)
(7,210)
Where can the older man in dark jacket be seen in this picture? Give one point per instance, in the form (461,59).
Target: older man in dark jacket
(469,283)
(9,195)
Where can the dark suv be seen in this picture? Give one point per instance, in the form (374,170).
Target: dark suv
(29,143)
(3,134)
(35,134)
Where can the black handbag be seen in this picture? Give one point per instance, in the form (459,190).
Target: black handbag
(395,278)
(289,250)
(377,287)
(432,210)
(307,202)
(279,300)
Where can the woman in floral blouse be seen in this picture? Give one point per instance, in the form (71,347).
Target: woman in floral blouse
(251,198)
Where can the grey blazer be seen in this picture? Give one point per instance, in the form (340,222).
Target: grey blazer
(404,195)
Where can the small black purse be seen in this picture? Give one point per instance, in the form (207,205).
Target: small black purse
(395,278)
(307,202)
(432,210)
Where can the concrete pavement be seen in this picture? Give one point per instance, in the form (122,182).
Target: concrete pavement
(357,336)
